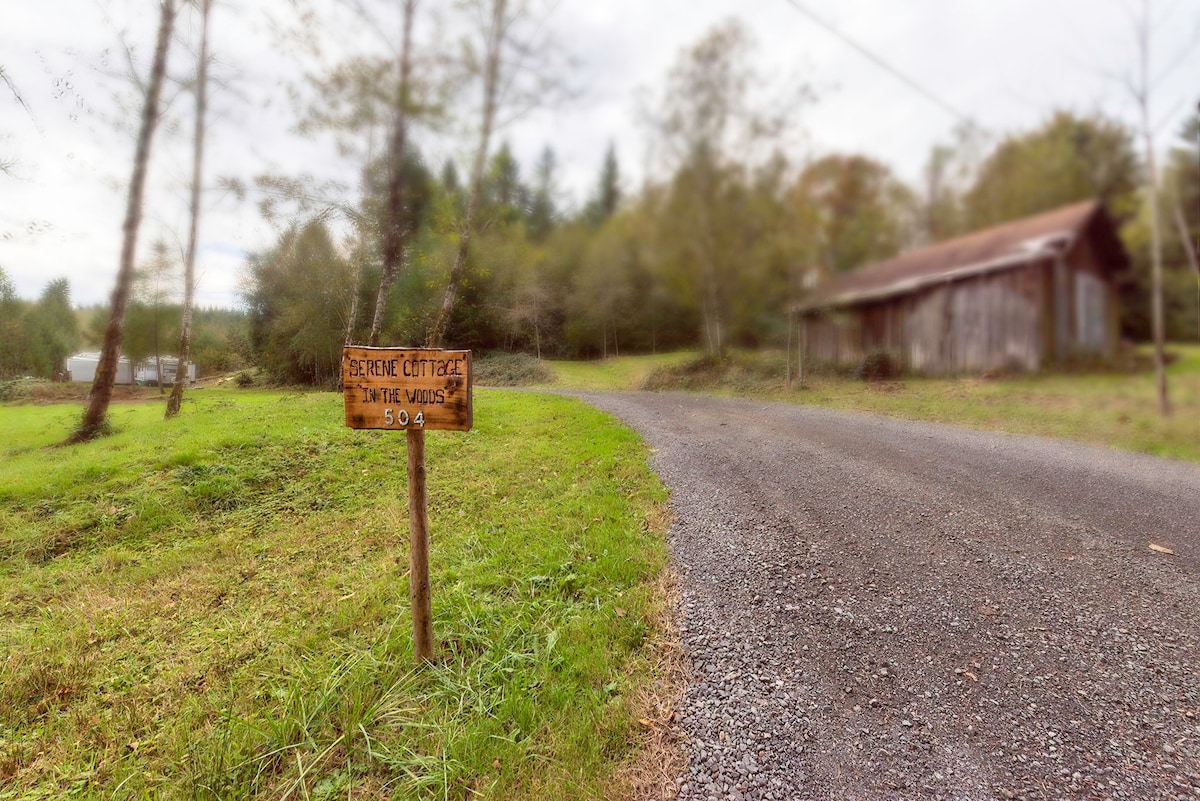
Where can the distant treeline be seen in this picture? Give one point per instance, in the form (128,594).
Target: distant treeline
(36,337)
(712,256)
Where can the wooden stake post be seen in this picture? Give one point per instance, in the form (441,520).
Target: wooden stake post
(410,390)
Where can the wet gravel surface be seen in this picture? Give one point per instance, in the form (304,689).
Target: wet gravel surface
(880,609)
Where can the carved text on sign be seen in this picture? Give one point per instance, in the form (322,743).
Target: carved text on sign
(405,388)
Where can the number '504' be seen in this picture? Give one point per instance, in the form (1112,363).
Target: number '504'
(392,417)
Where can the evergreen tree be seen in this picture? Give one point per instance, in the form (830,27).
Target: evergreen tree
(13,357)
(51,331)
(542,211)
(608,190)
(298,300)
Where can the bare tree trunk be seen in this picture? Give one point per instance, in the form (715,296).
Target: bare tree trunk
(352,316)
(706,254)
(1156,288)
(95,419)
(1141,93)
(537,334)
(1190,250)
(788,369)
(158,376)
(189,262)
(710,346)
(395,231)
(491,80)
(803,350)
(360,260)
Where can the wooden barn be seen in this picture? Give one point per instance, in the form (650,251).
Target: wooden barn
(1024,295)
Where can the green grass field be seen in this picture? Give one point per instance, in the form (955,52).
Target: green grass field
(616,373)
(216,606)
(1113,408)
(1116,409)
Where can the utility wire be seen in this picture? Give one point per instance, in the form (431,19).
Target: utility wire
(879,62)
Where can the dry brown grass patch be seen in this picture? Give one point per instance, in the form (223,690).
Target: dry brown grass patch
(653,773)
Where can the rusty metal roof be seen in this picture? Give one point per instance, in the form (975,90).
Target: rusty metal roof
(1004,246)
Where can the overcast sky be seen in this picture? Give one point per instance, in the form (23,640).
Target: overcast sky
(1005,64)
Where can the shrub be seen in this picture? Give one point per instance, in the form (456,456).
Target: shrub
(510,370)
(878,365)
(739,370)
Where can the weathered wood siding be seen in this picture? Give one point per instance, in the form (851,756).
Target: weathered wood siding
(1095,311)
(1014,319)
(987,322)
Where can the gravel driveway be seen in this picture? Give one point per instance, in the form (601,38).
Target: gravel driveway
(883,609)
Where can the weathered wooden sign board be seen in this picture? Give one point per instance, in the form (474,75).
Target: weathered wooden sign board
(407,388)
(411,390)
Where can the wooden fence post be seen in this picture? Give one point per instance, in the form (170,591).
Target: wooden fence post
(410,390)
(418,550)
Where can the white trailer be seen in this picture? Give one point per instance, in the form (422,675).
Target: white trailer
(147,372)
(82,367)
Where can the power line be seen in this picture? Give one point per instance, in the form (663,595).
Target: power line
(879,62)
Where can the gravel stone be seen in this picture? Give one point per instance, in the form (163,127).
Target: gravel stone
(881,609)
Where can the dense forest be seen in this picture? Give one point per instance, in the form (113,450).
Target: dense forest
(709,251)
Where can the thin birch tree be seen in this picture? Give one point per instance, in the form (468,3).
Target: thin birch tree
(713,121)
(1140,89)
(495,34)
(189,261)
(520,67)
(95,418)
(396,226)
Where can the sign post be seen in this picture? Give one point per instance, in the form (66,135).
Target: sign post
(410,390)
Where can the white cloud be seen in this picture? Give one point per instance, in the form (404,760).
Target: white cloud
(1007,65)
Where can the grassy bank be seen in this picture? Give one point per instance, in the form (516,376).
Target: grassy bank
(216,607)
(1113,408)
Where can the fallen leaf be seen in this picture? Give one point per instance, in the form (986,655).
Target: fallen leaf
(1161,549)
(620,612)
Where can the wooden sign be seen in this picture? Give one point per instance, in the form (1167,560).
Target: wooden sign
(407,389)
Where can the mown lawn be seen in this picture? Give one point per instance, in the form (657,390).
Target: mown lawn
(216,606)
